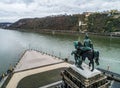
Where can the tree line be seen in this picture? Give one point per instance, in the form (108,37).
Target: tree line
(96,22)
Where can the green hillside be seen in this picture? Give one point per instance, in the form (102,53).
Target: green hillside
(104,22)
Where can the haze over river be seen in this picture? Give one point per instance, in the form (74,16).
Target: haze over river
(14,43)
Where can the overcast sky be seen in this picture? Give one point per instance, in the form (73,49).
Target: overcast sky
(12,10)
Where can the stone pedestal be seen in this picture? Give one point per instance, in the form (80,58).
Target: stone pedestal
(75,77)
(87,73)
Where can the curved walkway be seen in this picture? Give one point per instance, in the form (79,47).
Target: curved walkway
(20,75)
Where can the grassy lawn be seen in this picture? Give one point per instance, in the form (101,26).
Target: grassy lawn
(40,79)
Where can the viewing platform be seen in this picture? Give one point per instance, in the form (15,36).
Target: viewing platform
(35,62)
(33,59)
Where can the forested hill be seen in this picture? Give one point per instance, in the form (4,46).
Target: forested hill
(63,22)
(92,22)
(104,22)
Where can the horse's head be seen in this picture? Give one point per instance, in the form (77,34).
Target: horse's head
(80,44)
(77,44)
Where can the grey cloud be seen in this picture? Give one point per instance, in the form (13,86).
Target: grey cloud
(17,1)
(28,1)
(40,8)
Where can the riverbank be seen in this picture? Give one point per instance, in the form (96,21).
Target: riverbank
(113,34)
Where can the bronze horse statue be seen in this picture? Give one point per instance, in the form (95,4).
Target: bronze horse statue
(80,55)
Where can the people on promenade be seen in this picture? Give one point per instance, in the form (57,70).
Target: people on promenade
(10,70)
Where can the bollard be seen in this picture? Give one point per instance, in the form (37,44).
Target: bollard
(66,60)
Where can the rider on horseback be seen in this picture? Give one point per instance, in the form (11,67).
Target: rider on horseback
(80,49)
(83,51)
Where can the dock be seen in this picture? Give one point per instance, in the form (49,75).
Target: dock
(34,62)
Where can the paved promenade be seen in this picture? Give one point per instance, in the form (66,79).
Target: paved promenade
(32,59)
(34,62)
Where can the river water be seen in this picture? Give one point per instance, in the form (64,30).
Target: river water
(14,43)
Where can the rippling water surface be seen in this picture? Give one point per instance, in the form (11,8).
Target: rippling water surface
(13,44)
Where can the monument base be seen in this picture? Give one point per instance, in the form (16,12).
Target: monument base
(75,77)
(87,73)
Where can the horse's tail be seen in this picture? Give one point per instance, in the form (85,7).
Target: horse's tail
(96,56)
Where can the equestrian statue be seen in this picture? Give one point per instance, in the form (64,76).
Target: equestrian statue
(83,51)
